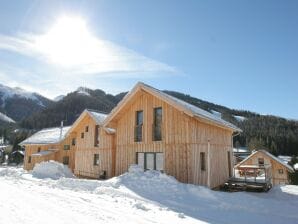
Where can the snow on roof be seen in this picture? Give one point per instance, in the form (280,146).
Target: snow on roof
(195,110)
(240,150)
(269,155)
(296,166)
(46,136)
(285,159)
(19,151)
(97,116)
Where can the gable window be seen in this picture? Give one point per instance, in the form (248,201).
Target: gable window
(29,159)
(86,128)
(65,160)
(73,141)
(202,161)
(96,142)
(280,171)
(150,160)
(82,135)
(66,147)
(157,119)
(261,161)
(139,126)
(96,160)
(38,150)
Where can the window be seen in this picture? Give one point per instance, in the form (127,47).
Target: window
(261,161)
(73,141)
(96,142)
(86,128)
(150,160)
(65,160)
(202,161)
(139,126)
(280,171)
(96,160)
(38,150)
(82,135)
(156,128)
(29,159)
(66,147)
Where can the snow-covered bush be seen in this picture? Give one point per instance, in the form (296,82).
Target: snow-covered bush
(51,169)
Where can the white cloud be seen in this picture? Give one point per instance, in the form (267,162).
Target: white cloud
(70,48)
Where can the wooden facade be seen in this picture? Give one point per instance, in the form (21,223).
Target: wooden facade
(184,139)
(280,170)
(192,145)
(88,146)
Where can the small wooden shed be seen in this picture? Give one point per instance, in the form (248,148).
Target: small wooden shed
(279,169)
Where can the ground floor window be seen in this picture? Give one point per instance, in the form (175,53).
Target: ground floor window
(150,160)
(96,160)
(65,160)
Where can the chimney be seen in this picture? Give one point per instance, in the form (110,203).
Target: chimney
(61,128)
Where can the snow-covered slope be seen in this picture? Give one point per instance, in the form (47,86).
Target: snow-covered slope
(5,118)
(136,197)
(58,98)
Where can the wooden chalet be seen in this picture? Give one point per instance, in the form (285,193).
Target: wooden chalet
(49,144)
(94,145)
(278,170)
(160,132)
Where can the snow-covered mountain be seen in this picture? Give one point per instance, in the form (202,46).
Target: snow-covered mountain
(18,103)
(5,118)
(58,98)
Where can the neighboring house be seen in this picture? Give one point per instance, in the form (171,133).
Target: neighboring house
(160,132)
(48,144)
(94,145)
(279,169)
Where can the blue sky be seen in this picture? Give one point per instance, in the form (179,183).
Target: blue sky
(240,54)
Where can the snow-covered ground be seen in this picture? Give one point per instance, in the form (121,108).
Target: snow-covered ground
(136,197)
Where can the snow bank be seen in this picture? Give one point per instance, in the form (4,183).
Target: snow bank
(51,169)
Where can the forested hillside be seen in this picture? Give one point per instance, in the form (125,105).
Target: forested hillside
(278,135)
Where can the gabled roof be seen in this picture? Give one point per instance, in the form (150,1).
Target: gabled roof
(270,156)
(98,117)
(46,136)
(181,105)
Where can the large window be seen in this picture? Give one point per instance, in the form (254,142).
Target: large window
(96,160)
(96,142)
(139,126)
(65,160)
(150,160)
(73,141)
(202,161)
(157,119)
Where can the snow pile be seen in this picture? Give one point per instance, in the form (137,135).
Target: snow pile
(51,169)
(296,166)
(239,118)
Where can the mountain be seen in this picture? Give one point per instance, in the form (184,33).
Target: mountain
(58,98)
(70,107)
(276,134)
(17,103)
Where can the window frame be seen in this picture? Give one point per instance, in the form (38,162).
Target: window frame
(87,128)
(66,147)
(203,161)
(29,159)
(96,136)
(156,126)
(82,135)
(261,163)
(96,159)
(138,130)
(154,160)
(65,158)
(73,141)
(280,171)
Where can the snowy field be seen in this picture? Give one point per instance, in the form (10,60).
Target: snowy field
(135,197)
